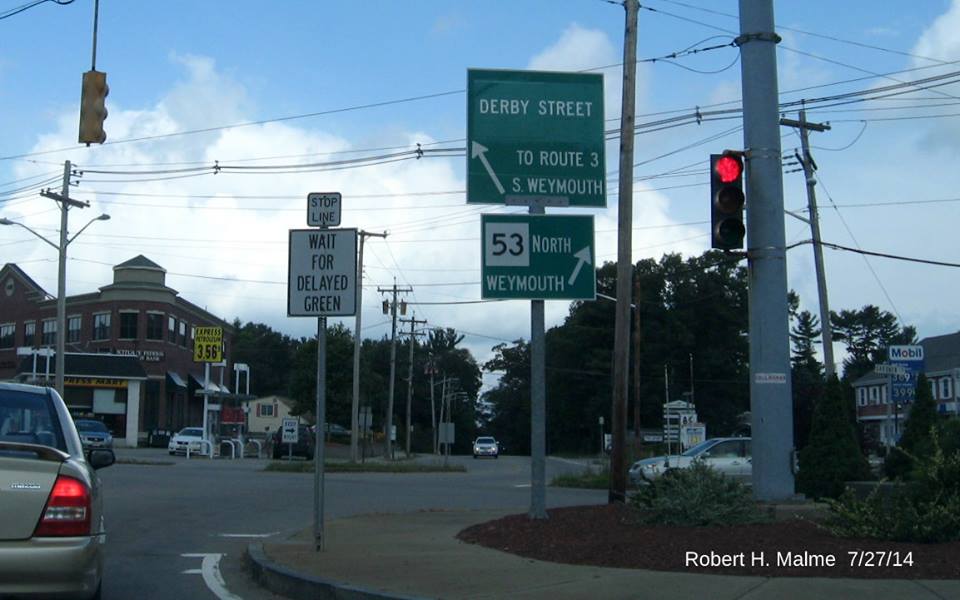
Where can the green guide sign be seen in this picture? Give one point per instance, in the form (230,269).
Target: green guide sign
(535,137)
(538,257)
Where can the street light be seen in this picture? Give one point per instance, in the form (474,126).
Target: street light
(61,284)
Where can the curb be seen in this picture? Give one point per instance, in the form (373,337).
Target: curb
(298,586)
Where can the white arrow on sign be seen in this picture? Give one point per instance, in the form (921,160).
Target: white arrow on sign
(481,150)
(582,257)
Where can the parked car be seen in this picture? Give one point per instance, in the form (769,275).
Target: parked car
(188,437)
(730,456)
(94,434)
(52,538)
(486,446)
(304,446)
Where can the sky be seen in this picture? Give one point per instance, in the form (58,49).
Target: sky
(292,83)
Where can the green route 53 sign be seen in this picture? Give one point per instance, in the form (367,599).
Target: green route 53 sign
(535,137)
(538,257)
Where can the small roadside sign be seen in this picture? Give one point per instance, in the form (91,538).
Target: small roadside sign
(322,273)
(886,369)
(324,209)
(208,344)
(289,431)
(538,257)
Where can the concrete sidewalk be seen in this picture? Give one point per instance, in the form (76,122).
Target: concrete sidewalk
(416,555)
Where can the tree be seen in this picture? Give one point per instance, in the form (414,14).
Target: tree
(508,413)
(832,456)
(867,333)
(339,389)
(806,371)
(915,443)
(269,355)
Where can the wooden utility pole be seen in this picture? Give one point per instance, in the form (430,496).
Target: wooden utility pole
(621,348)
(413,334)
(809,167)
(355,406)
(388,424)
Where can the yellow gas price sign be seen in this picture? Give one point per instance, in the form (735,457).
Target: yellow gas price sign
(208,344)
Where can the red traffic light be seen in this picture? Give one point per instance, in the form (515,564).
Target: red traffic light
(728,168)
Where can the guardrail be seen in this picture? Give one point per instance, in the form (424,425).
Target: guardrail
(234,444)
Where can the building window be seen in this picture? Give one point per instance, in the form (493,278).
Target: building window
(30,333)
(183,334)
(155,326)
(172,330)
(49,332)
(264,410)
(946,393)
(874,395)
(73,329)
(101,326)
(128,325)
(7,334)
(861,396)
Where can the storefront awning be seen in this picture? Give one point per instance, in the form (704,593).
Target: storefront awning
(212,388)
(173,378)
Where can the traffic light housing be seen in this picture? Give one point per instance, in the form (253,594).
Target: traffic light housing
(726,201)
(93,108)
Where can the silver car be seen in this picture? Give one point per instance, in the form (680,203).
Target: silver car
(486,446)
(730,456)
(51,530)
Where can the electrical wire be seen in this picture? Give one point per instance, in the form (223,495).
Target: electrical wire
(19,9)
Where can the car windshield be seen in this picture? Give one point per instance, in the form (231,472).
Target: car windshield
(699,448)
(486,440)
(191,432)
(29,418)
(87,425)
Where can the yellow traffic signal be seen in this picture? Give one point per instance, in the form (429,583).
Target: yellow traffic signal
(93,108)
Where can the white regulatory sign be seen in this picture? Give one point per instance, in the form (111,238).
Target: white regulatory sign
(322,273)
(289,432)
(324,209)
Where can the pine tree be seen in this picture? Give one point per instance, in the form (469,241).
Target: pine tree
(915,440)
(832,456)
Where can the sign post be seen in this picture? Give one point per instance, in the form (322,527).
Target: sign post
(207,348)
(536,139)
(322,282)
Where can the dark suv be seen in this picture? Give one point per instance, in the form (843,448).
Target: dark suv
(304,447)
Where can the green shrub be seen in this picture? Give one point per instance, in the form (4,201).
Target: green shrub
(925,509)
(695,496)
(832,456)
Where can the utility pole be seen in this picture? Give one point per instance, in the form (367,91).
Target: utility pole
(388,427)
(413,334)
(433,411)
(636,362)
(771,402)
(355,406)
(809,167)
(621,348)
(65,203)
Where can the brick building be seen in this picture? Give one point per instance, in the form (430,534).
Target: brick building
(143,380)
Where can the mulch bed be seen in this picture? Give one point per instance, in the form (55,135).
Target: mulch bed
(610,536)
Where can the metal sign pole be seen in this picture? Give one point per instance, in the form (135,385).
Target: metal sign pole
(538,405)
(319,446)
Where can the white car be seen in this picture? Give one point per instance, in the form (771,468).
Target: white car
(188,437)
(730,456)
(486,446)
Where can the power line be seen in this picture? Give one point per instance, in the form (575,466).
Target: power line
(19,9)
(893,256)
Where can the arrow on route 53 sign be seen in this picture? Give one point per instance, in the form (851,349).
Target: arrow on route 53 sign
(538,257)
(535,137)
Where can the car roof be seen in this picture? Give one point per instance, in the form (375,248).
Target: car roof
(23,387)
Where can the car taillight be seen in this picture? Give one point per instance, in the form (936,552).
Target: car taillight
(68,510)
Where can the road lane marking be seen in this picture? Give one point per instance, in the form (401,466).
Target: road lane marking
(522,485)
(249,535)
(210,570)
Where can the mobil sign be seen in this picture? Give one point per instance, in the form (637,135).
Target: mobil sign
(903,386)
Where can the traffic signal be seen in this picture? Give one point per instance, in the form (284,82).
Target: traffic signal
(93,108)
(726,201)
